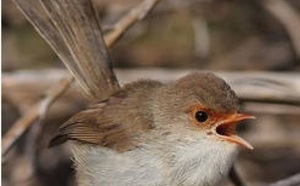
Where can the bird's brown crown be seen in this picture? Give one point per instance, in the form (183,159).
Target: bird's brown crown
(211,91)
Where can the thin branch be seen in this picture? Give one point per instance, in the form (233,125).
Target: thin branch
(134,15)
(271,89)
(271,108)
(41,108)
(22,124)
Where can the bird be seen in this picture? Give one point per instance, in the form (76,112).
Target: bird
(148,133)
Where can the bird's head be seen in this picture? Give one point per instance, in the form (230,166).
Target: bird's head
(201,104)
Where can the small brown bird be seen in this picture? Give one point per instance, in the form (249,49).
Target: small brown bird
(149,133)
(146,133)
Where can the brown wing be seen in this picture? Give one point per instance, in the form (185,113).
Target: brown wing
(114,123)
(92,127)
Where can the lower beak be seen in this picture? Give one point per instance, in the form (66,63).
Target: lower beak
(226,129)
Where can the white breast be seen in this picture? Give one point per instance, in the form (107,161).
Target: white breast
(99,166)
(204,164)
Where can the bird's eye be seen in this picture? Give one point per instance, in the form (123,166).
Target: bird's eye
(201,116)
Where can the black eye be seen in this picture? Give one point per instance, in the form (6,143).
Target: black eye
(201,116)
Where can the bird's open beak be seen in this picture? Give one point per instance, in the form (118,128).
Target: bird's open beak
(226,129)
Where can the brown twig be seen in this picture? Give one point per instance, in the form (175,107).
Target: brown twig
(134,15)
(21,125)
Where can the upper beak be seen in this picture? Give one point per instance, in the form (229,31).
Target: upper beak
(226,129)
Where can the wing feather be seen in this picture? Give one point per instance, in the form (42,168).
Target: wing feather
(114,123)
(91,127)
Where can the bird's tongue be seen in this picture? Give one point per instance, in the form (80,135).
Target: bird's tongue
(227,129)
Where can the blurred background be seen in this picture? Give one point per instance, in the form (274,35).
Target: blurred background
(218,35)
